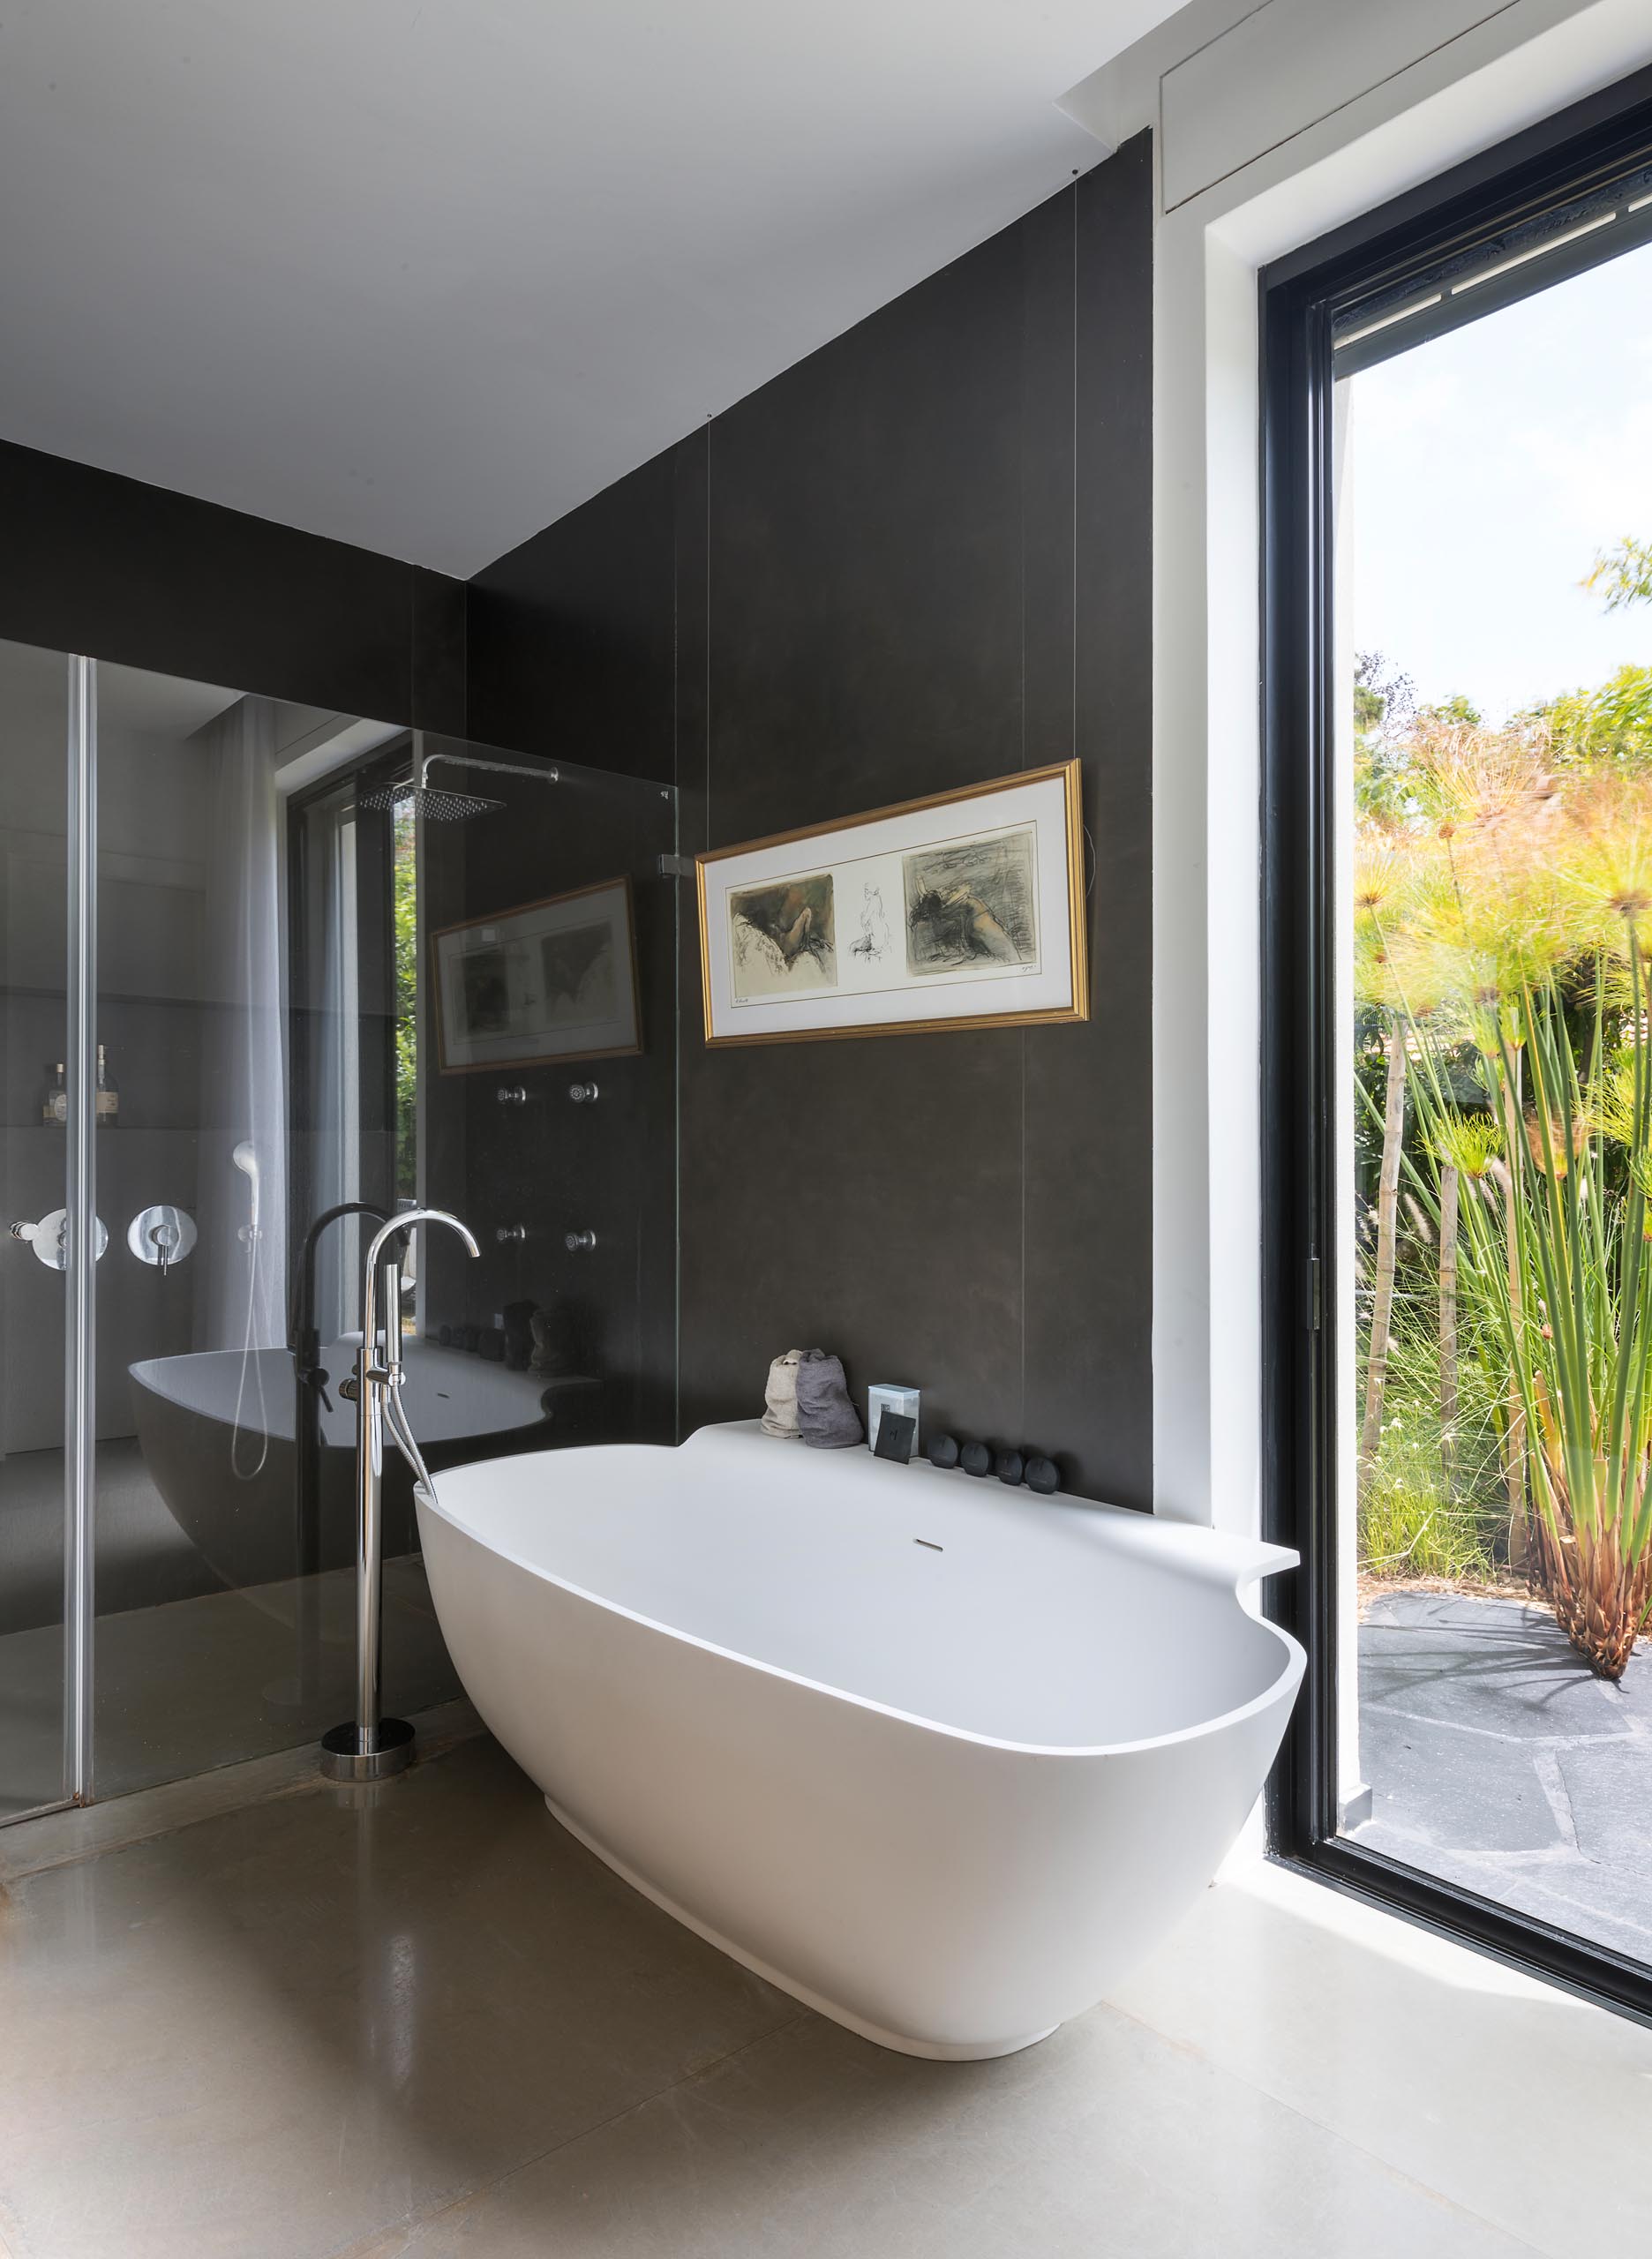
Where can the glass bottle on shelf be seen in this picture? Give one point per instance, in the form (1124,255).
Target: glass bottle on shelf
(107,1093)
(55,1098)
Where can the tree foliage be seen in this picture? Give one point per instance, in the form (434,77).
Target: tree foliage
(1503,909)
(1622,574)
(1607,728)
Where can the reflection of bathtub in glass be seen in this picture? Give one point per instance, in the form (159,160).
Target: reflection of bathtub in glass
(233,1491)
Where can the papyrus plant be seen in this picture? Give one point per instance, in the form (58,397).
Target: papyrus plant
(1568,1294)
(1522,945)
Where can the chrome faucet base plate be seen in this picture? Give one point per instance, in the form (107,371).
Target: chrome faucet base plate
(348,1752)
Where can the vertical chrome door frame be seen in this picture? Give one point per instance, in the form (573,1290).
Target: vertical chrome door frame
(80,1202)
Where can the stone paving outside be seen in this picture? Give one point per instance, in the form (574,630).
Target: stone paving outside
(1498,1761)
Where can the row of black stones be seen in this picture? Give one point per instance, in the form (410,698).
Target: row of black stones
(1010,1466)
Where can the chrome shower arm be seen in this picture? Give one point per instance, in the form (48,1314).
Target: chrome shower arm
(549,774)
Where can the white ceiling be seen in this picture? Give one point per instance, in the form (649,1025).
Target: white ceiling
(424,273)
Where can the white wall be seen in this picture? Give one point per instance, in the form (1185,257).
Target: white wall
(1273,124)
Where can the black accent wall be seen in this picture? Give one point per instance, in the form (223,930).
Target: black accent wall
(107,565)
(919,558)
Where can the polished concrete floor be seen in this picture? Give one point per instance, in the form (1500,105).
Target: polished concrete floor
(428,2025)
(210,1680)
(1497,1759)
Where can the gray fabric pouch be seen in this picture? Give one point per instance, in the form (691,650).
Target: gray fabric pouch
(826,1418)
(780,1406)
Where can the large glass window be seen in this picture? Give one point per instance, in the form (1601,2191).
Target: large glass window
(1461,768)
(1494,557)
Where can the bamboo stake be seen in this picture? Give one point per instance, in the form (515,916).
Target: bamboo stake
(1514,1441)
(1387,1206)
(1448,1328)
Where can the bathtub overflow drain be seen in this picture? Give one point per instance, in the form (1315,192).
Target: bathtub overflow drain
(930,1543)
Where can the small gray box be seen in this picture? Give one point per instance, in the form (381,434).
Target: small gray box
(886,1395)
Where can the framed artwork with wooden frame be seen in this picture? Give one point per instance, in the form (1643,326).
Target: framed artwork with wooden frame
(963,910)
(551,979)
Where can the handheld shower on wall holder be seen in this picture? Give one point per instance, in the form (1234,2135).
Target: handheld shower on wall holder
(432,802)
(245,1156)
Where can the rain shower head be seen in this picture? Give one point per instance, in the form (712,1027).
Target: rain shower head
(431,802)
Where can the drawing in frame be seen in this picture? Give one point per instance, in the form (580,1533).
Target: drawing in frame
(551,980)
(963,910)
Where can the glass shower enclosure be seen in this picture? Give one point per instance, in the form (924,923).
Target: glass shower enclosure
(257,994)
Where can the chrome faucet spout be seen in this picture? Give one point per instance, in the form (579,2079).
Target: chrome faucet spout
(403,1222)
(370,1747)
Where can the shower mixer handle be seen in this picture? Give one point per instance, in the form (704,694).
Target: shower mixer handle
(49,1238)
(163,1235)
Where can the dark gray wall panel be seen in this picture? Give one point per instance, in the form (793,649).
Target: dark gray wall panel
(866,647)
(919,558)
(1089,1118)
(570,635)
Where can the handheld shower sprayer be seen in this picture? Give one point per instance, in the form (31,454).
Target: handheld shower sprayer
(245,1156)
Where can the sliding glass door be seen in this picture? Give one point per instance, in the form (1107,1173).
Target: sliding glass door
(1460,790)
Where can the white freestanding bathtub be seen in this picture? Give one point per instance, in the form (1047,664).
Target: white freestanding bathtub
(937,1757)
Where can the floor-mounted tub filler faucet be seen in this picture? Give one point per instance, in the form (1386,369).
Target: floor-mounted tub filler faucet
(369,1747)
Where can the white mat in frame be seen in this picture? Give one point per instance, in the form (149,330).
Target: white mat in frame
(962,910)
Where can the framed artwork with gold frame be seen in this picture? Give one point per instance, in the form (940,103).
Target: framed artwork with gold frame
(551,980)
(963,910)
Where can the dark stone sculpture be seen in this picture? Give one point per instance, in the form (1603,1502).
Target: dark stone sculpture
(975,1458)
(519,1339)
(553,1340)
(944,1450)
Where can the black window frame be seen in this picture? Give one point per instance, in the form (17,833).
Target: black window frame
(1576,151)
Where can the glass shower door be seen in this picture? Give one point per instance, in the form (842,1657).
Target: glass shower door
(257,986)
(193,1470)
(36,1759)
(224,1619)
(248,1055)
